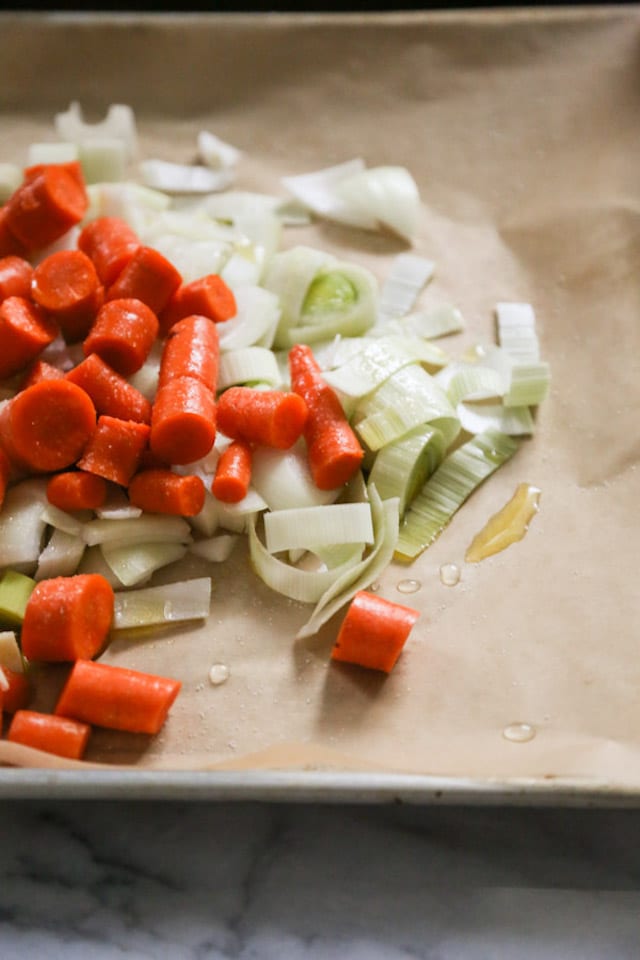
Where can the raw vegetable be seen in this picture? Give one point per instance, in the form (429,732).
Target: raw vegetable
(67,618)
(114,449)
(15,692)
(15,591)
(110,392)
(110,244)
(373,632)
(273,418)
(148,276)
(161,491)
(49,202)
(183,422)
(208,297)
(122,333)
(76,490)
(43,731)
(15,277)
(25,330)
(233,473)
(67,287)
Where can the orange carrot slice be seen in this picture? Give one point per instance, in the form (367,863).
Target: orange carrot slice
(49,202)
(110,243)
(66,285)
(162,491)
(110,392)
(122,334)
(15,277)
(208,297)
(373,632)
(271,418)
(44,731)
(149,277)
(192,349)
(115,449)
(76,490)
(25,330)
(67,618)
(17,695)
(183,421)
(233,473)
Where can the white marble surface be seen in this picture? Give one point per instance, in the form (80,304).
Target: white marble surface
(198,881)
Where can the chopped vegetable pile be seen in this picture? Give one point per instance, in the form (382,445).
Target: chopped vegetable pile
(172,378)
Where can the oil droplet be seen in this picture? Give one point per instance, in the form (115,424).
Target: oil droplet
(507,526)
(450,574)
(218,674)
(408,586)
(519,732)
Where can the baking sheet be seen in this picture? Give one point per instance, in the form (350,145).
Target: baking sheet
(521,130)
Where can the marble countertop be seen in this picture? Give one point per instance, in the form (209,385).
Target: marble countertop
(200,881)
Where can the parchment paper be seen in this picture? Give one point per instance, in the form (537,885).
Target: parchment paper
(522,132)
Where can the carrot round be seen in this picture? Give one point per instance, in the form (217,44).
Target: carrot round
(44,731)
(40,370)
(148,276)
(15,277)
(114,449)
(72,167)
(25,330)
(105,695)
(233,473)
(122,334)
(183,421)
(10,246)
(271,418)
(192,349)
(110,243)
(373,632)
(76,490)
(67,618)
(47,204)
(66,285)
(333,450)
(208,297)
(17,695)
(162,491)
(46,427)
(110,392)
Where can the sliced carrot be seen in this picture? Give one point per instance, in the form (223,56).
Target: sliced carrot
(18,692)
(208,297)
(183,421)
(46,427)
(110,243)
(44,731)
(15,277)
(25,330)
(66,285)
(47,204)
(76,490)
(162,491)
(333,450)
(149,277)
(72,167)
(122,334)
(10,246)
(110,392)
(114,449)
(233,473)
(192,349)
(271,418)
(373,632)
(40,370)
(106,695)
(67,618)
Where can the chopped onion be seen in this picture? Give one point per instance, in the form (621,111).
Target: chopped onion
(183,178)
(22,527)
(10,179)
(117,506)
(149,528)
(169,603)
(10,654)
(517,331)
(214,549)
(51,153)
(408,275)
(317,190)
(387,195)
(255,321)
(283,478)
(61,557)
(61,520)
(216,153)
(119,123)
(103,159)
(432,323)
(134,563)
(311,527)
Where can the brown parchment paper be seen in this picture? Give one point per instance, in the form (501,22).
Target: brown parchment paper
(522,132)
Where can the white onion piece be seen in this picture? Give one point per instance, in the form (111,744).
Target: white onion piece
(103,159)
(146,378)
(207,521)
(51,153)
(61,520)
(169,603)
(236,206)
(517,331)
(317,190)
(255,322)
(134,563)
(183,178)
(216,153)
(117,506)
(389,195)
(61,557)
(10,179)
(21,525)
(283,479)
(131,202)
(10,655)
(119,123)
(149,528)
(215,549)
(192,258)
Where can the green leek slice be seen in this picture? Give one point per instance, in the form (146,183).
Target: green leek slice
(318,526)
(402,467)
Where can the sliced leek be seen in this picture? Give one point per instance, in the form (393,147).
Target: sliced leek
(402,467)
(513,421)
(408,275)
(248,365)
(169,603)
(311,527)
(149,528)
(517,331)
(452,483)
(133,563)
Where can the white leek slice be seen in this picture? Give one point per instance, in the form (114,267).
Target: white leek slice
(240,206)
(21,525)
(517,331)
(242,269)
(255,321)
(62,520)
(169,603)
(183,178)
(248,365)
(149,528)
(311,527)
(402,468)
(513,421)
(408,275)
(379,359)
(93,562)
(217,153)
(193,258)
(10,655)
(10,179)
(61,557)
(362,574)
(134,563)
(215,549)
(473,382)
(119,122)
(117,506)
(527,382)
(289,276)
(283,479)
(132,202)
(237,516)
(432,323)
(103,160)
(388,195)
(317,190)
(51,153)
(448,488)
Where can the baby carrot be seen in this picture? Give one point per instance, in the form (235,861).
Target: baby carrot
(271,418)
(122,334)
(46,427)
(67,618)
(183,421)
(233,473)
(191,350)
(110,392)
(15,277)
(110,243)
(25,330)
(10,246)
(105,695)
(162,491)
(44,731)
(40,370)
(72,167)
(76,490)
(49,202)
(67,286)
(207,297)
(114,449)
(149,277)
(333,450)
(18,692)
(373,632)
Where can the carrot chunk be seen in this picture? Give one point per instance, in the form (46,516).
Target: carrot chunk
(15,277)
(66,285)
(233,473)
(192,349)
(271,418)
(110,392)
(44,731)
(333,450)
(149,277)
(122,334)
(67,618)
(115,449)
(162,491)
(183,421)
(18,693)
(49,202)
(76,490)
(10,246)
(110,243)
(373,632)
(208,297)
(25,330)
(105,695)
(46,427)
(40,370)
